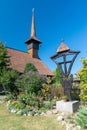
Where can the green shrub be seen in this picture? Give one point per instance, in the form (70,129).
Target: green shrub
(43,109)
(17,105)
(75,96)
(57,91)
(24,111)
(48,105)
(8,79)
(11,108)
(57,77)
(82,74)
(9,97)
(54,100)
(46,91)
(81,118)
(21,98)
(29,67)
(31,100)
(30,82)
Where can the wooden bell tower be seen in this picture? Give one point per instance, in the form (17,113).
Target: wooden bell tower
(33,42)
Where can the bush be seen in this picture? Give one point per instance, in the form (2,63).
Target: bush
(17,105)
(9,97)
(54,100)
(46,93)
(57,91)
(48,105)
(31,100)
(30,82)
(57,77)
(29,67)
(21,98)
(8,79)
(81,118)
(24,111)
(82,74)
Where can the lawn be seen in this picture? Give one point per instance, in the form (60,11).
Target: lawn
(9,121)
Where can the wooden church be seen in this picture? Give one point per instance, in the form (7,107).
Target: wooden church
(18,59)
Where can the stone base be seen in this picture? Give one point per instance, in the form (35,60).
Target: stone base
(69,106)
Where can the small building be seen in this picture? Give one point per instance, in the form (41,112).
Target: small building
(18,59)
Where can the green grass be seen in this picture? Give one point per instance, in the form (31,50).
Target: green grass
(9,121)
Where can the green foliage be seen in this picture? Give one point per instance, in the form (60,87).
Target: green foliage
(29,67)
(57,77)
(8,79)
(24,111)
(54,100)
(31,100)
(82,74)
(30,82)
(64,97)
(49,90)
(48,105)
(75,91)
(17,105)
(3,57)
(42,109)
(9,96)
(81,118)
(75,95)
(56,91)
(46,89)
(22,98)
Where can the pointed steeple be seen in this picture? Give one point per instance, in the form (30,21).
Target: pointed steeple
(33,31)
(33,42)
(63,47)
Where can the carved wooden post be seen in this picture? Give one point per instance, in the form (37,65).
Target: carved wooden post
(66,78)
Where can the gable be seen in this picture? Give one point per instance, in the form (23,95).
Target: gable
(18,60)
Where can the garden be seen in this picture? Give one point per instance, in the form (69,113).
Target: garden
(30,95)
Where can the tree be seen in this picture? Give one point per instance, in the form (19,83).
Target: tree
(29,67)
(57,77)
(8,79)
(82,74)
(4,59)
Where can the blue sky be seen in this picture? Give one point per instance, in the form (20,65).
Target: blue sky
(54,19)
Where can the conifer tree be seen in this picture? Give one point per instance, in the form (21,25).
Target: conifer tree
(3,57)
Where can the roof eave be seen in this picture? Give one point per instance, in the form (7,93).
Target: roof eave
(33,39)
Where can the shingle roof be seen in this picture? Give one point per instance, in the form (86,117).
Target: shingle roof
(18,60)
(63,47)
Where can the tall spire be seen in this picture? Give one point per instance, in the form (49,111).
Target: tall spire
(33,31)
(33,42)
